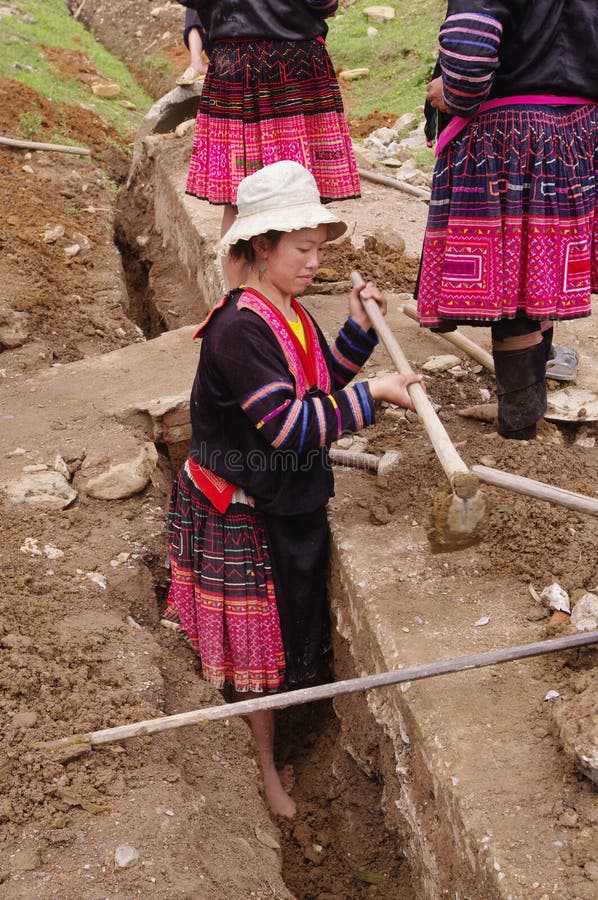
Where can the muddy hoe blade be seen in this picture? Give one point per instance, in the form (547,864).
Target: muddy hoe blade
(458,515)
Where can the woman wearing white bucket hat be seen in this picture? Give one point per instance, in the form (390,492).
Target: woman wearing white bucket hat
(247,526)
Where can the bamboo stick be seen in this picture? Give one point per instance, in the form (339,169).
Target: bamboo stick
(323,691)
(386,180)
(455,469)
(458,340)
(35,145)
(537,489)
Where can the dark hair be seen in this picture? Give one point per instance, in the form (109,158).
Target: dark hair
(244,249)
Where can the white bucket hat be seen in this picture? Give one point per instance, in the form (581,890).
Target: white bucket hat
(281,197)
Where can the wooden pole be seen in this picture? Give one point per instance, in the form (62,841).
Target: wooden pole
(538,489)
(35,145)
(323,691)
(386,180)
(463,483)
(458,340)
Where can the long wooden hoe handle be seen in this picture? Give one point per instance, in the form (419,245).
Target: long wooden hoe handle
(321,692)
(449,459)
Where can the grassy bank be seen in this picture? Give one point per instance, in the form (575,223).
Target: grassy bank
(42,46)
(400,57)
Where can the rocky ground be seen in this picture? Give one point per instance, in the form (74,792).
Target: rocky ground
(82,589)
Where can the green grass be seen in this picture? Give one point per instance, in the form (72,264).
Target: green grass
(400,57)
(21,43)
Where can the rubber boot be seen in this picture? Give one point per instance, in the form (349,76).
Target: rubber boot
(521,390)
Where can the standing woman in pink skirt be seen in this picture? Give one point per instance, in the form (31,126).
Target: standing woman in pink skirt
(270,94)
(512,236)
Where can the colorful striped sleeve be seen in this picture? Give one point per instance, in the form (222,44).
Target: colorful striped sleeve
(351,349)
(259,381)
(316,420)
(469,45)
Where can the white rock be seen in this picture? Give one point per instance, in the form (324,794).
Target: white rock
(555,597)
(379,13)
(551,695)
(53,552)
(30,547)
(372,32)
(125,856)
(405,121)
(49,489)
(27,169)
(97,578)
(72,250)
(51,235)
(107,90)
(123,478)
(584,616)
(435,364)
(485,395)
(61,466)
(82,240)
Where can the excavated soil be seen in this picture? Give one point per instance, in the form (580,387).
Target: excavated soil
(73,657)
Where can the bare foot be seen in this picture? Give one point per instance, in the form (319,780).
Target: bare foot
(278,800)
(287,777)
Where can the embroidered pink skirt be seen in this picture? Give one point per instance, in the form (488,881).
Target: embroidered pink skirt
(267,100)
(512,226)
(222,590)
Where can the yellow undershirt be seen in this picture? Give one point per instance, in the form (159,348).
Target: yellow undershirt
(299,332)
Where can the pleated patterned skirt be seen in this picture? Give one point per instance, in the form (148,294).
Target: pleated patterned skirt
(265,101)
(512,227)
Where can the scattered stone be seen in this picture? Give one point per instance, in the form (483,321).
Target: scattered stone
(108,90)
(98,579)
(568,818)
(61,466)
(379,13)
(25,719)
(72,250)
(53,552)
(13,328)
(30,547)
(27,169)
(51,235)
(353,74)
(585,613)
(436,364)
(372,32)
(555,597)
(483,412)
(127,104)
(122,479)
(82,240)
(126,856)
(49,489)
